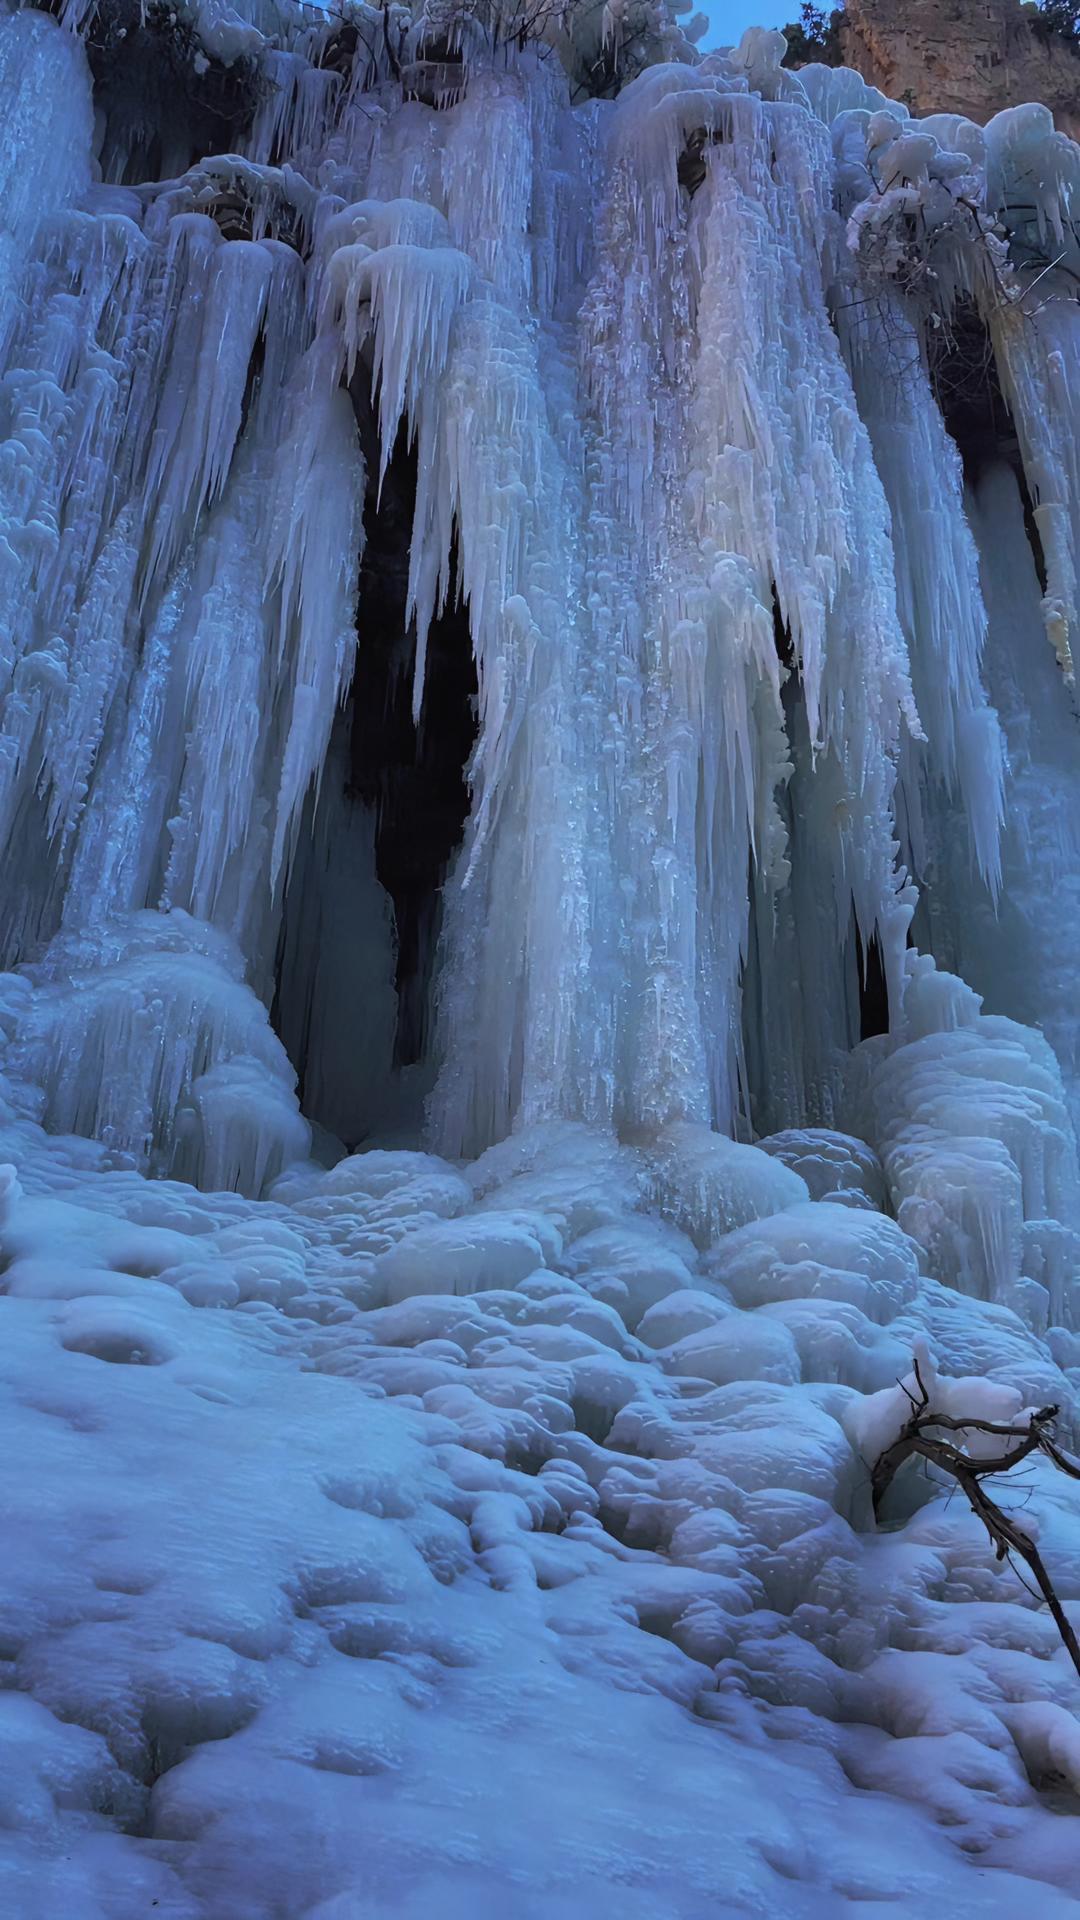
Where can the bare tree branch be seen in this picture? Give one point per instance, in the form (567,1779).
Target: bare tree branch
(921,1436)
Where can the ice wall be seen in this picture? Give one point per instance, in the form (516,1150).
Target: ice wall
(664,359)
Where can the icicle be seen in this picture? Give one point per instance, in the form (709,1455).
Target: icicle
(1039,356)
(201,409)
(938,595)
(316,538)
(45,161)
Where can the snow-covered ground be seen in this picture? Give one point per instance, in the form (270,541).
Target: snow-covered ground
(461,1541)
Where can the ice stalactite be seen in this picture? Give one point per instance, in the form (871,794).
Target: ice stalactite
(939,601)
(45,162)
(1037,354)
(715,494)
(458,368)
(175,696)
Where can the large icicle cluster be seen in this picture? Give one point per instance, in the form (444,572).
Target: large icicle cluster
(721,590)
(451,1433)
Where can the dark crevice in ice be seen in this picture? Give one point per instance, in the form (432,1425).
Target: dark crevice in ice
(412,776)
(965,378)
(873,987)
(164,102)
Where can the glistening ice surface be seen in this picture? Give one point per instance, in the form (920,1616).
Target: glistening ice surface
(457,1265)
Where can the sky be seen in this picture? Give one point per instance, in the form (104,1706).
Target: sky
(730,18)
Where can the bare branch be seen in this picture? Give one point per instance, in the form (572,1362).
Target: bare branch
(921,1437)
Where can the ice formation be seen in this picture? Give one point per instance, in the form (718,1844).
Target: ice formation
(538,834)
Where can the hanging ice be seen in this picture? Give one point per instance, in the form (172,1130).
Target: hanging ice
(729,678)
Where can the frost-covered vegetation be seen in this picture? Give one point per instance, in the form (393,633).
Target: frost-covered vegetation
(539,587)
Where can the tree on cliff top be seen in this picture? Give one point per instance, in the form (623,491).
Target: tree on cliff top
(1056,17)
(814,37)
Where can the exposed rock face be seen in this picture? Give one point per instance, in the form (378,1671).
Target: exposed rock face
(961,56)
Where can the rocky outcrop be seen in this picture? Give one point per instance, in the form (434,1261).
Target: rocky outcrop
(961,56)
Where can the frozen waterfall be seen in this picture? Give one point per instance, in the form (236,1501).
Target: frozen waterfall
(540,851)
(602,378)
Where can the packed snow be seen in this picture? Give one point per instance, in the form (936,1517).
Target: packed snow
(439,1480)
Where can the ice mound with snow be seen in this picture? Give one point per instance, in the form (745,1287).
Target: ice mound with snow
(144,1036)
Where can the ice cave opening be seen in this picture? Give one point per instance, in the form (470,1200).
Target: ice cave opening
(395,796)
(410,767)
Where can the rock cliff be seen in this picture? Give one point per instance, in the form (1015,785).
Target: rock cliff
(961,56)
